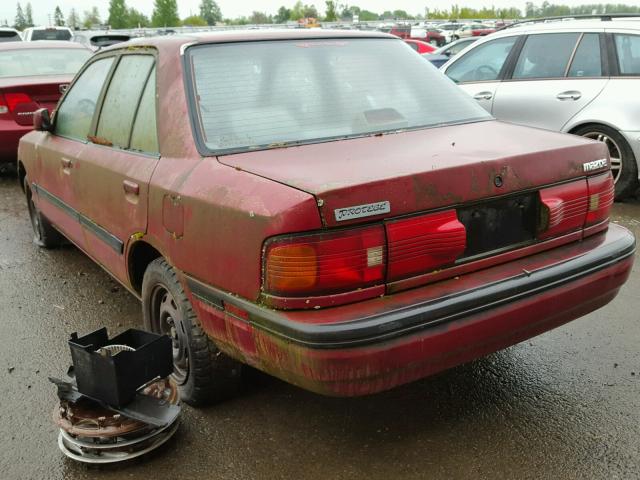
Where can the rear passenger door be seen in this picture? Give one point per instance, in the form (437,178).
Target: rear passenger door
(114,171)
(556,75)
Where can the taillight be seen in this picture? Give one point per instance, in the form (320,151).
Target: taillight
(564,208)
(422,244)
(576,205)
(601,194)
(4,108)
(325,263)
(15,99)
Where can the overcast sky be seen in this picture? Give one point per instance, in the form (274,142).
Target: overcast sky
(236,8)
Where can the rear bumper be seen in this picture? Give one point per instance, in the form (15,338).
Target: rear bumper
(10,134)
(377,344)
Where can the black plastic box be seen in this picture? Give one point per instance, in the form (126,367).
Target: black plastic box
(115,379)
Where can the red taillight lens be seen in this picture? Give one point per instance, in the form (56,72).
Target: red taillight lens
(601,194)
(423,244)
(15,99)
(564,208)
(325,263)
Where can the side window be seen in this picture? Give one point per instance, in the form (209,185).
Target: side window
(587,61)
(122,98)
(413,45)
(545,56)
(457,48)
(145,137)
(628,49)
(483,62)
(73,118)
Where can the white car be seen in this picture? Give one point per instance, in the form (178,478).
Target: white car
(448,29)
(9,35)
(47,33)
(578,76)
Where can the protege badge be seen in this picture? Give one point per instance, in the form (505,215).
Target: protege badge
(360,211)
(595,165)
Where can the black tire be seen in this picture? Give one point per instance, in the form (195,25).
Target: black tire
(626,173)
(454,38)
(204,374)
(44,234)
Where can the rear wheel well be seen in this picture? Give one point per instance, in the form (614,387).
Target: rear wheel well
(140,256)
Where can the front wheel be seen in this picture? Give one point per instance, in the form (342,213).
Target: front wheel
(203,373)
(623,162)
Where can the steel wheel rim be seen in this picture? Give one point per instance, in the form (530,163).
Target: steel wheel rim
(614,152)
(168,320)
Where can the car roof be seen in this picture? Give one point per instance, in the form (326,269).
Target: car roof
(48,28)
(576,25)
(231,36)
(8,29)
(40,44)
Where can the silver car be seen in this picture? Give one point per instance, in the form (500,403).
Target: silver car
(578,76)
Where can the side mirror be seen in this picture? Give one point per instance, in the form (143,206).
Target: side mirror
(42,120)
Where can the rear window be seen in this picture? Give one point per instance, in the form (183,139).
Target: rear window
(9,37)
(51,34)
(257,95)
(45,61)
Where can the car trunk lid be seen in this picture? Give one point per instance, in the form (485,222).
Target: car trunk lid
(391,175)
(24,96)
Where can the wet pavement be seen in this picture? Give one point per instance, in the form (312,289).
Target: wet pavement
(562,405)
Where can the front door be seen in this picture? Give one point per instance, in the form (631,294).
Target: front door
(57,154)
(479,71)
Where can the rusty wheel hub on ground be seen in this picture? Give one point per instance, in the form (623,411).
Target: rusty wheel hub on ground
(90,433)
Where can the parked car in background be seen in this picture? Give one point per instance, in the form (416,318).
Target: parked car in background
(9,35)
(95,40)
(443,54)
(429,35)
(420,46)
(472,30)
(399,30)
(448,29)
(32,76)
(343,230)
(47,33)
(576,76)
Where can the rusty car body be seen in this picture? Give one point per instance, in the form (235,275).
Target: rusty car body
(392,245)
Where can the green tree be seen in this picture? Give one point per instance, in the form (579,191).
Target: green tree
(297,11)
(283,15)
(28,15)
(210,11)
(20,22)
(136,19)
(194,21)
(91,18)
(330,15)
(58,18)
(117,14)
(165,13)
(72,20)
(310,11)
(259,18)
(367,16)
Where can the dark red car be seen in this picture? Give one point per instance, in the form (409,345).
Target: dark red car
(274,200)
(420,46)
(32,76)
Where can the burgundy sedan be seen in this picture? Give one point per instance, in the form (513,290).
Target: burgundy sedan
(273,200)
(32,76)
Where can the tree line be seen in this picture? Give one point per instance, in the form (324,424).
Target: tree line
(165,14)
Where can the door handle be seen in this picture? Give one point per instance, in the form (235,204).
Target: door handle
(67,163)
(131,187)
(569,95)
(483,96)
